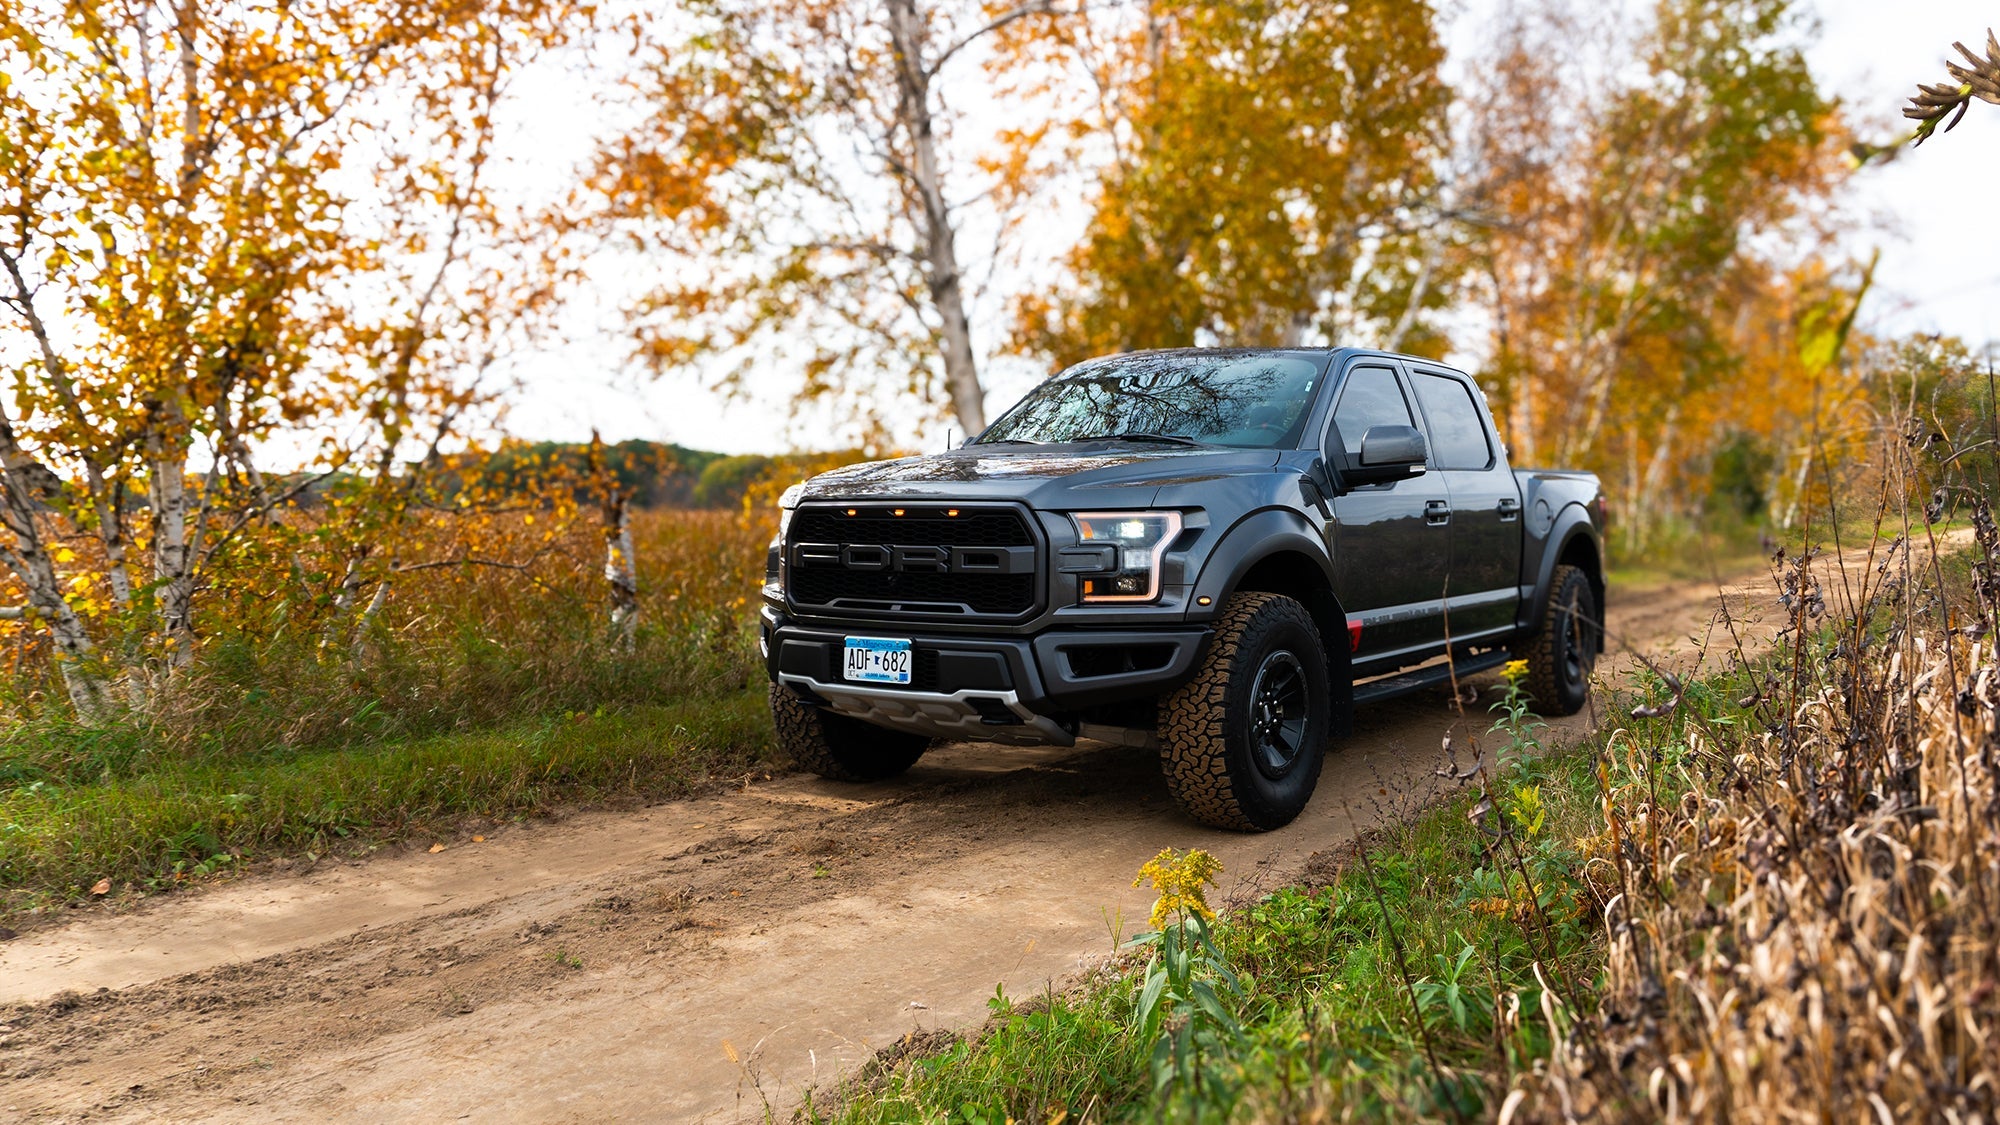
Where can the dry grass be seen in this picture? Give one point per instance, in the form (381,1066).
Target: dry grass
(476,691)
(1802,912)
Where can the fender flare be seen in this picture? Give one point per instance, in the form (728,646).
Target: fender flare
(1250,541)
(1572,523)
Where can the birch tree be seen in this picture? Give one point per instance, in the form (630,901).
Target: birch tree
(796,179)
(1651,216)
(183,281)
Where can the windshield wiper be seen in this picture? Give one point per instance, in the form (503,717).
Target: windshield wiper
(1142,435)
(1006,441)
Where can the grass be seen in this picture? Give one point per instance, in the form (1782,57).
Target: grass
(477,693)
(1326,1018)
(181,817)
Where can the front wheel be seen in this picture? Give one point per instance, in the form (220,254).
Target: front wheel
(1564,652)
(1242,741)
(839,748)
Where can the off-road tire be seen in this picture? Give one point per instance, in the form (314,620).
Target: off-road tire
(1562,654)
(1217,766)
(839,748)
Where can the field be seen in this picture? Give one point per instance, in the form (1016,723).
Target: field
(478,693)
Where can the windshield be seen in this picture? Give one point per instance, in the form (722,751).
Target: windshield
(1253,400)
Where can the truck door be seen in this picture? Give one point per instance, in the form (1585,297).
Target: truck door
(1390,542)
(1485,504)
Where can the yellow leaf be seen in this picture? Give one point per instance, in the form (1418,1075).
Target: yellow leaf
(436,848)
(64,555)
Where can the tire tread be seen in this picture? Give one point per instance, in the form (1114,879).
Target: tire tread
(1193,717)
(839,748)
(1545,652)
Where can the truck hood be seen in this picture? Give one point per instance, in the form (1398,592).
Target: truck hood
(1097,473)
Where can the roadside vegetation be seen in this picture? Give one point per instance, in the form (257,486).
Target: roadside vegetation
(476,692)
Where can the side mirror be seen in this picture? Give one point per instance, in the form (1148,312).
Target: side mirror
(1388,453)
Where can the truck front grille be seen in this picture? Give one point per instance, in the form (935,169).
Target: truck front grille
(926,561)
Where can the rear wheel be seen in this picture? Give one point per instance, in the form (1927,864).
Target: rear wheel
(1242,741)
(837,747)
(1564,652)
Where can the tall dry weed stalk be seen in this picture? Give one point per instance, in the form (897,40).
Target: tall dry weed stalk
(1803,911)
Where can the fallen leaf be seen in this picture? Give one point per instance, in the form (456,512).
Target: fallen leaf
(436,848)
(479,839)
(101,887)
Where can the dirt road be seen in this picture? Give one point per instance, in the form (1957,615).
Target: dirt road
(685,962)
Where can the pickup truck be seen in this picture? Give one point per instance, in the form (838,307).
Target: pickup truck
(1217,553)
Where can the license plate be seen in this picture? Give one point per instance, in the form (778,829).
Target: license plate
(877,660)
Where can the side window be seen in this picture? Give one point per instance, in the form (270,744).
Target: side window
(1370,398)
(1458,436)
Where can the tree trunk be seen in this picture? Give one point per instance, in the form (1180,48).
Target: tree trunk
(620,569)
(173,562)
(30,562)
(913,112)
(620,562)
(359,647)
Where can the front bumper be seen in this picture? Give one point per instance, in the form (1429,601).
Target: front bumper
(1031,690)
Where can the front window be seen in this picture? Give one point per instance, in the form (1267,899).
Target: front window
(1252,401)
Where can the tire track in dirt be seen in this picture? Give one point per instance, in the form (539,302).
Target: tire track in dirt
(683,962)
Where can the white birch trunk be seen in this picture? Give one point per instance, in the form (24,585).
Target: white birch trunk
(29,559)
(946,279)
(621,570)
(173,563)
(359,647)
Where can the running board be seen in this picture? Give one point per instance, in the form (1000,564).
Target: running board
(1403,683)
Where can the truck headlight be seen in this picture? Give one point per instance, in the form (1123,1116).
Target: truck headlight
(1138,541)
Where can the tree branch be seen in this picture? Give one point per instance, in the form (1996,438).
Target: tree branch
(1019,11)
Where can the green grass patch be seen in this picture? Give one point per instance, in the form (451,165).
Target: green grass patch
(108,809)
(1376,993)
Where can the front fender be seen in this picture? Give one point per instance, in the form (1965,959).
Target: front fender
(1250,541)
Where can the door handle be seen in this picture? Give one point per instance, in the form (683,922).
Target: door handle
(1437,513)
(1510,509)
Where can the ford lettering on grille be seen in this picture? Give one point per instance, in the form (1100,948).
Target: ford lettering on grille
(926,559)
(915,561)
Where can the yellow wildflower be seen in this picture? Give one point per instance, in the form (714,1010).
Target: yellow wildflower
(1180,879)
(1514,670)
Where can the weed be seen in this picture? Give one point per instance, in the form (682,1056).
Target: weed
(1188,991)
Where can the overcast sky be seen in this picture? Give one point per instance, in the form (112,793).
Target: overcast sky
(1932,212)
